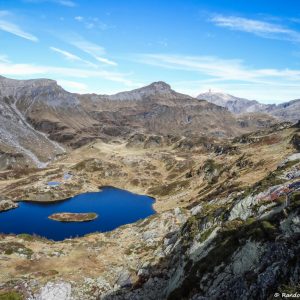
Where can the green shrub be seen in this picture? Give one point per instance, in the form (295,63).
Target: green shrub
(26,237)
(11,296)
(295,200)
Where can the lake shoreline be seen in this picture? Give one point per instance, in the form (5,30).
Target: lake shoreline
(117,207)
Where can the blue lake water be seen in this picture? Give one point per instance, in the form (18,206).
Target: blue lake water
(115,207)
(53,183)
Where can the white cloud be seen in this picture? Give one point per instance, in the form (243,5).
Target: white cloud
(16,30)
(4,58)
(257,27)
(105,60)
(72,57)
(91,23)
(221,69)
(79,18)
(92,49)
(88,47)
(11,69)
(67,3)
(66,54)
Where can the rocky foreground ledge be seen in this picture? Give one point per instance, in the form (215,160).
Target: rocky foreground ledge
(7,205)
(73,217)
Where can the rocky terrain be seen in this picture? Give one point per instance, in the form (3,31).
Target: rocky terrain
(20,143)
(227,191)
(227,221)
(7,205)
(287,111)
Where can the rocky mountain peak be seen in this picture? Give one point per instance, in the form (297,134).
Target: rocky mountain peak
(160,86)
(13,87)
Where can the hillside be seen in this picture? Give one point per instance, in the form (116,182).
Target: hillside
(20,143)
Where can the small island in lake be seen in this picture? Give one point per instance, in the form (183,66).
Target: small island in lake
(73,217)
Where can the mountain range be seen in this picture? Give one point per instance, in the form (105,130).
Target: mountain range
(287,111)
(39,119)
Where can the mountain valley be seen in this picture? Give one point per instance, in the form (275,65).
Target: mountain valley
(225,183)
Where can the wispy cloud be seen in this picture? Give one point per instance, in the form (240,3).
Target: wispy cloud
(105,61)
(222,69)
(66,54)
(265,92)
(257,27)
(4,58)
(79,18)
(213,66)
(67,3)
(227,74)
(91,22)
(12,69)
(92,49)
(14,29)
(72,57)
(4,13)
(88,47)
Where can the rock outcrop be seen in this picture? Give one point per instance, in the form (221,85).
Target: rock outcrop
(7,205)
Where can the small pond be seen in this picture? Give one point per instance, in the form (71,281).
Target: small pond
(115,207)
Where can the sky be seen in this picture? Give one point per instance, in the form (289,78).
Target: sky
(249,49)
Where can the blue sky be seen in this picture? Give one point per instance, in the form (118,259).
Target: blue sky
(249,49)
